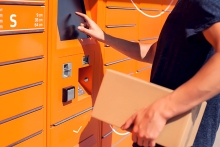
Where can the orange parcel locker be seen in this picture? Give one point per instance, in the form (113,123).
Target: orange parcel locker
(121,21)
(19,129)
(73,58)
(21,74)
(23,100)
(73,131)
(23,64)
(22,34)
(25,46)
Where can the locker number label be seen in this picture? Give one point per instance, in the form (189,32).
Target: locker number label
(16,17)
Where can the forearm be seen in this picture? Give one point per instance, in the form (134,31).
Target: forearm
(203,86)
(137,51)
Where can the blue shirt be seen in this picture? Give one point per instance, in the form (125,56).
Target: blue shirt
(182,50)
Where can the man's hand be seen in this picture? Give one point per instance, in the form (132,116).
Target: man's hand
(138,51)
(148,123)
(90,28)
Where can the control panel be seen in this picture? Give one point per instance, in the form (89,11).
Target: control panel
(72,74)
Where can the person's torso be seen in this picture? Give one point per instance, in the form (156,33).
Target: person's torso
(178,58)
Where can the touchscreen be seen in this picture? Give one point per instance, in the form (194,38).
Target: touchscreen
(68,21)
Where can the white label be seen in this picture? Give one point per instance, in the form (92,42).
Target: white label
(1,15)
(12,19)
(40,15)
(1,21)
(40,20)
(1,9)
(36,24)
(1,26)
(36,20)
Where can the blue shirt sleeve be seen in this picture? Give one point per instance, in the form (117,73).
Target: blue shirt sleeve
(201,14)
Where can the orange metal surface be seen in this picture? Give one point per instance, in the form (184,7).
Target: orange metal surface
(73,47)
(150,4)
(17,1)
(141,65)
(72,132)
(21,101)
(22,46)
(36,141)
(118,16)
(90,141)
(122,3)
(85,76)
(21,127)
(71,109)
(61,110)
(127,67)
(149,27)
(21,74)
(128,33)
(112,55)
(15,18)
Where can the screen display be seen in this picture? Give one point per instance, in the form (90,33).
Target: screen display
(68,21)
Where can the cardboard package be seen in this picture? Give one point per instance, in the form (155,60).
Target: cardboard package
(121,95)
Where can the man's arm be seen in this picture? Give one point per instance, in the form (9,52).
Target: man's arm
(149,122)
(205,84)
(138,51)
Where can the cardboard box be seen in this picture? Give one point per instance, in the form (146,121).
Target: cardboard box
(121,95)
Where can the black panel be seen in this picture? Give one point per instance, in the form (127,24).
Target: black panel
(68,21)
